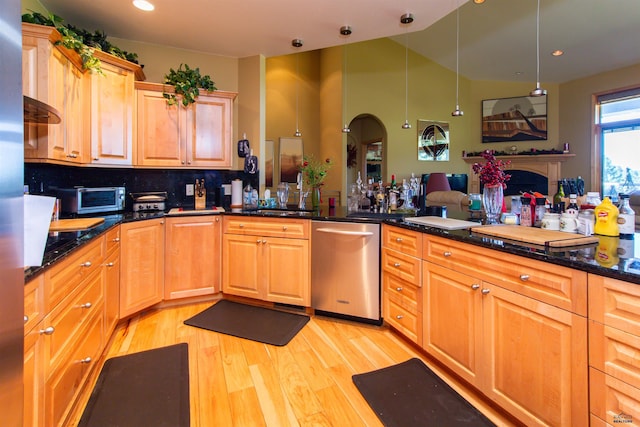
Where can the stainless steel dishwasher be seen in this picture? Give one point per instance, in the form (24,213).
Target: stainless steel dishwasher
(345,269)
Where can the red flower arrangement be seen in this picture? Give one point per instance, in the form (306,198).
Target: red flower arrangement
(314,172)
(492,172)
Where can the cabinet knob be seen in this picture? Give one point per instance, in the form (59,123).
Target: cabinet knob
(524,277)
(396,264)
(475,286)
(258,241)
(86,264)
(240,225)
(399,289)
(446,254)
(189,162)
(47,331)
(217,219)
(182,162)
(485,291)
(399,316)
(284,228)
(26,318)
(85,360)
(399,239)
(117,239)
(264,242)
(109,264)
(85,305)
(95,159)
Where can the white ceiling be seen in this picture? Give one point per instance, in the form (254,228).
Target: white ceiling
(497,38)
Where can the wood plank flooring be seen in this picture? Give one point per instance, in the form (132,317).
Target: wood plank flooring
(236,382)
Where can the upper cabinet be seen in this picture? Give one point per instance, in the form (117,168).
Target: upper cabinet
(196,136)
(53,74)
(97,110)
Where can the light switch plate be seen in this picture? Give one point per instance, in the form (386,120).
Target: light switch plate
(189,190)
(227,189)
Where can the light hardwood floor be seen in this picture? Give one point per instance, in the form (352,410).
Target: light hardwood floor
(237,382)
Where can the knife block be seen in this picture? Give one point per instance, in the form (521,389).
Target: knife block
(201,201)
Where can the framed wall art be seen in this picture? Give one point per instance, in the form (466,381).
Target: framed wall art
(522,118)
(433,140)
(291,154)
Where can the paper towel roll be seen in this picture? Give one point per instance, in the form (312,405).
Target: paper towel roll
(236,193)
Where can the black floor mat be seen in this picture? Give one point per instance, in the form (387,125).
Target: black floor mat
(150,388)
(410,394)
(250,322)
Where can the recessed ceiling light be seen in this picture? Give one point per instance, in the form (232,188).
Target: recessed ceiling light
(143,5)
(478,1)
(557,52)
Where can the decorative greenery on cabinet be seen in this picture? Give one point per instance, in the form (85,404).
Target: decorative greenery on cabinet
(186,82)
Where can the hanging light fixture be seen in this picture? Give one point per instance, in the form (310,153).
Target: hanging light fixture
(457,112)
(406,19)
(345,31)
(297,43)
(538,91)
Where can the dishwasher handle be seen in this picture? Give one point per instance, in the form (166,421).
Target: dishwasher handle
(345,232)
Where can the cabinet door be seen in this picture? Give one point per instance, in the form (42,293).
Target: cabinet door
(208,133)
(112,101)
(242,265)
(287,269)
(112,291)
(33,378)
(536,359)
(51,137)
(192,256)
(452,320)
(159,139)
(74,114)
(141,265)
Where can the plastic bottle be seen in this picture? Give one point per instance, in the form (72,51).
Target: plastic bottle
(606,219)
(626,217)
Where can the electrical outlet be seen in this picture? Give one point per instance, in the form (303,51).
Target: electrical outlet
(227,189)
(189,190)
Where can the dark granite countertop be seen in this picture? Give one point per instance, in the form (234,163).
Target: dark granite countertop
(611,257)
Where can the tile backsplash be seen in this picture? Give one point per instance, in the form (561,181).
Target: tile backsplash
(46,178)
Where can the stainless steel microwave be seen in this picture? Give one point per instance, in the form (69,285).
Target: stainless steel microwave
(86,200)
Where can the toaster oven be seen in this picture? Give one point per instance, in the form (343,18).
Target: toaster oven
(87,200)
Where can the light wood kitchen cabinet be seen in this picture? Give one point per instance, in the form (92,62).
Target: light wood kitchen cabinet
(64,333)
(614,343)
(54,75)
(192,256)
(402,281)
(197,136)
(111,267)
(141,265)
(267,259)
(112,111)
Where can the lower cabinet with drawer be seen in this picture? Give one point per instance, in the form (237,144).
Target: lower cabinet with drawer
(614,346)
(267,259)
(64,333)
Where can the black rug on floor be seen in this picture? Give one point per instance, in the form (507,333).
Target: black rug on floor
(411,394)
(250,322)
(150,388)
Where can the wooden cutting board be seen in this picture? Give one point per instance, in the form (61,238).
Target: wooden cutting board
(536,236)
(74,224)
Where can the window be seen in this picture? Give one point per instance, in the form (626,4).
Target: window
(618,125)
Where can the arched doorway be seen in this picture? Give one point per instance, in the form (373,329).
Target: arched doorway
(366,149)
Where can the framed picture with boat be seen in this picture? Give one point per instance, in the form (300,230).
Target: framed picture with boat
(522,118)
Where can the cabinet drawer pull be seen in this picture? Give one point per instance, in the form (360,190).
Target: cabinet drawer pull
(284,228)
(109,264)
(47,331)
(524,277)
(475,286)
(117,239)
(86,360)
(399,289)
(399,239)
(240,225)
(86,264)
(485,291)
(85,305)
(396,264)
(446,254)
(26,318)
(399,316)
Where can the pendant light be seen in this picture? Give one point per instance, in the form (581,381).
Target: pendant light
(538,91)
(297,43)
(345,31)
(406,19)
(457,112)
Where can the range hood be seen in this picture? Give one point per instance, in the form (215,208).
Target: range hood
(39,112)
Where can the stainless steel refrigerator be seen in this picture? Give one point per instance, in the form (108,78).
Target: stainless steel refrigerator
(11,215)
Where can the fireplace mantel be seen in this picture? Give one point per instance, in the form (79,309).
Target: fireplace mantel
(544,164)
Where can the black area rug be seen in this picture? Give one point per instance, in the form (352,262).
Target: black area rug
(411,394)
(250,322)
(150,388)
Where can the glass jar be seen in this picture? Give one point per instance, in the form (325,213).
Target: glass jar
(475,202)
(516,205)
(626,217)
(593,200)
(525,212)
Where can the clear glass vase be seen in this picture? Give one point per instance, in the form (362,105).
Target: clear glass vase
(315,197)
(492,196)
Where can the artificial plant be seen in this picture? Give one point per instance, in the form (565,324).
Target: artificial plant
(187,82)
